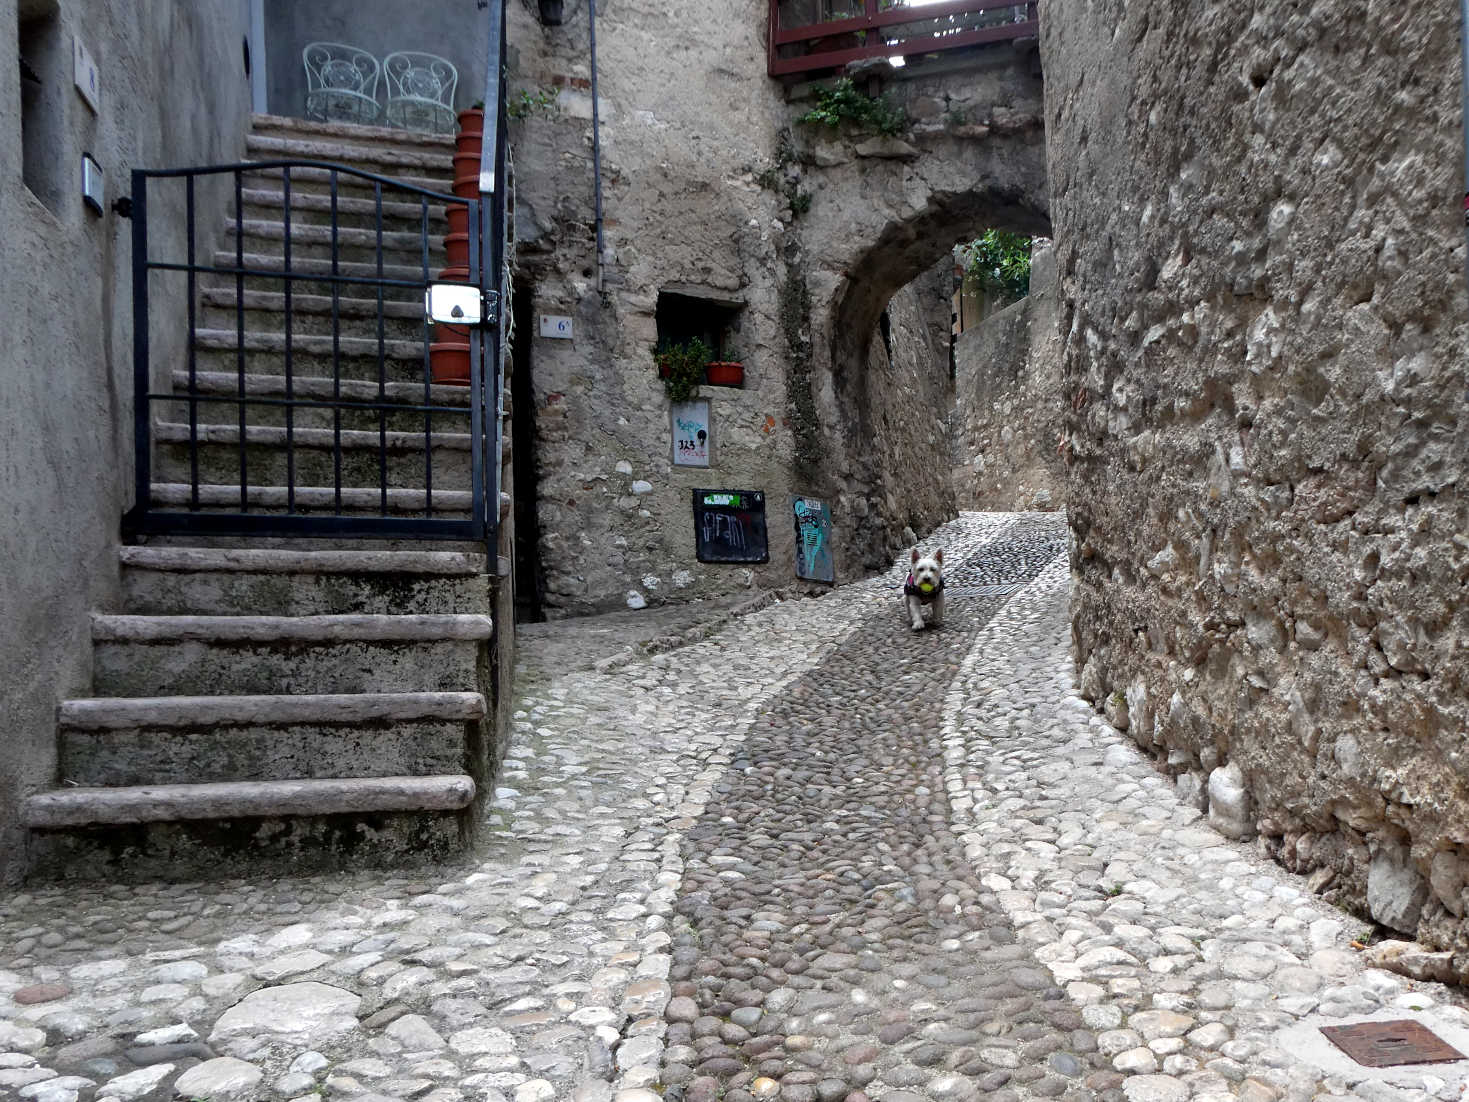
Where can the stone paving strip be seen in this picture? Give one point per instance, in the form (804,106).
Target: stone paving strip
(511,977)
(1202,967)
(814,856)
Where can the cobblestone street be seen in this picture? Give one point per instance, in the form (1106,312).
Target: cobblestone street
(814,856)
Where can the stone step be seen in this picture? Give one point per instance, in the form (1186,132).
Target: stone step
(354,276)
(357,245)
(365,456)
(203,581)
(311,315)
(348,134)
(247,655)
(346,357)
(404,214)
(406,186)
(382,158)
(70,807)
(312,500)
(449,404)
(117,742)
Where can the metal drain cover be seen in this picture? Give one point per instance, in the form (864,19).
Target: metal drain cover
(1391,1044)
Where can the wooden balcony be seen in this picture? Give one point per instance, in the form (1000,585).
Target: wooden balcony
(809,36)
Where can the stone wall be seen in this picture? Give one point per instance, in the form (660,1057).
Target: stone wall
(715,191)
(173,92)
(1261,259)
(1008,403)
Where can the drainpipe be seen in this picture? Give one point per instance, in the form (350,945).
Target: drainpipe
(597,141)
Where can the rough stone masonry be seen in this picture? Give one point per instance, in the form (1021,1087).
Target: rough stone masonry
(1262,289)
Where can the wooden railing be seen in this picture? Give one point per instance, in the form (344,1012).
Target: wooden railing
(811,35)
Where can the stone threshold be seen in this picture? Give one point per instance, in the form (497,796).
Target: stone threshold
(246,799)
(350,628)
(125,713)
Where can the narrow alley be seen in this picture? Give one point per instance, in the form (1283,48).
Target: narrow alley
(815,856)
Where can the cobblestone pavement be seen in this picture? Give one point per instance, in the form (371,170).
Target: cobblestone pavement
(816,856)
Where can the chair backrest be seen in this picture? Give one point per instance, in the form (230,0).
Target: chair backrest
(337,67)
(420,76)
(420,91)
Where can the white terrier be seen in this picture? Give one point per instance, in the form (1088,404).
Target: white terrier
(925,587)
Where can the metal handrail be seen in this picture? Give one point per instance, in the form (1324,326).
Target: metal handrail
(488,353)
(838,42)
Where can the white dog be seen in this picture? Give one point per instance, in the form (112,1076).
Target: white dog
(925,587)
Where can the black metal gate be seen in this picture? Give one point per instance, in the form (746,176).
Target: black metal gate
(289,382)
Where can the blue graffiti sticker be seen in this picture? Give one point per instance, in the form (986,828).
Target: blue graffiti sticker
(813,540)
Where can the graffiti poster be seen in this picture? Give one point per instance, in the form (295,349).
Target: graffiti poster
(693,439)
(729,526)
(813,540)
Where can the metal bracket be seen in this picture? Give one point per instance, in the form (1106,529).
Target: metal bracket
(122,206)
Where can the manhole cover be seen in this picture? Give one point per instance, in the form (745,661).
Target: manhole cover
(1390,1044)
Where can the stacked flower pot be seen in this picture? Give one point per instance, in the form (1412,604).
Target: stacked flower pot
(449,352)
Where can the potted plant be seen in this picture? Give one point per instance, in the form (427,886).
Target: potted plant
(682,365)
(730,372)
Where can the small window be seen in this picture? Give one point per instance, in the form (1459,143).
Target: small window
(685,313)
(43,84)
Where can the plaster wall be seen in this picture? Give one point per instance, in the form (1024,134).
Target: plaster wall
(1008,403)
(455,30)
(711,188)
(173,91)
(1261,256)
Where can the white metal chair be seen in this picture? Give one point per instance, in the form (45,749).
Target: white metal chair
(341,83)
(420,92)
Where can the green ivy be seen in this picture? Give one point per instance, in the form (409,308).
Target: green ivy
(682,366)
(997,261)
(526,103)
(842,102)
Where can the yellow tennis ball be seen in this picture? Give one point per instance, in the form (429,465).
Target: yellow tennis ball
(927,587)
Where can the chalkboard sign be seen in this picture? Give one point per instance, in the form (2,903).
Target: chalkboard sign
(729,526)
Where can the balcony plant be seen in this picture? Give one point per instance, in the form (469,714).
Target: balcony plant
(682,365)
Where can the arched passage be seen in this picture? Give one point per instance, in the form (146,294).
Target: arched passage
(882,218)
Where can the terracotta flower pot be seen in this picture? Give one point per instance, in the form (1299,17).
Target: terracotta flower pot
(472,118)
(466,175)
(725,373)
(449,363)
(469,141)
(451,334)
(456,250)
(453,274)
(458,219)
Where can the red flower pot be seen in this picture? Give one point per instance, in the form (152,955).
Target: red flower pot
(456,250)
(458,219)
(466,175)
(725,373)
(449,363)
(469,141)
(454,275)
(472,118)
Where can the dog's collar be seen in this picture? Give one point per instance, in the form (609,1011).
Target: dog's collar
(910,587)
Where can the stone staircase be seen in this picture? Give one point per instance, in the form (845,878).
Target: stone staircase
(284,703)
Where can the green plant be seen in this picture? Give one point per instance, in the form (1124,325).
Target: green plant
(843,102)
(526,102)
(800,203)
(997,261)
(682,365)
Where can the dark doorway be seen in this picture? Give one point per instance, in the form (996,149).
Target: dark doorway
(529,584)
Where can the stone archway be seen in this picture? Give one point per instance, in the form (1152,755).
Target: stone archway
(884,212)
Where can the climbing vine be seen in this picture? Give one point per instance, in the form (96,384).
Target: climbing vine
(795,322)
